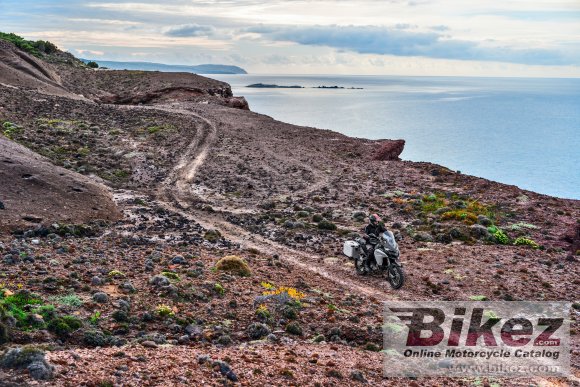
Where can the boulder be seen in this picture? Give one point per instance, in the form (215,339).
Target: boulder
(389,150)
(478,231)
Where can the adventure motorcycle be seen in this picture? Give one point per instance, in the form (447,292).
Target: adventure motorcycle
(384,257)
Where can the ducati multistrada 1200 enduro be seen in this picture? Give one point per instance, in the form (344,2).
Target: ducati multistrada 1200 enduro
(384,257)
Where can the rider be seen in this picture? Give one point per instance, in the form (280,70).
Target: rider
(375,228)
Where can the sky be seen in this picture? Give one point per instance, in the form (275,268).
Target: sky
(535,38)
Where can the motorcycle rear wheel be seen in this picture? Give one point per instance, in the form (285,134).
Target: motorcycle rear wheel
(396,276)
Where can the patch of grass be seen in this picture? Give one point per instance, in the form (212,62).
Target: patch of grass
(433,202)
(121,173)
(48,312)
(95,317)
(262,312)
(171,275)
(84,151)
(326,225)
(219,289)
(212,236)
(160,128)
(165,311)
(460,215)
(116,273)
(9,129)
(518,226)
(478,298)
(68,300)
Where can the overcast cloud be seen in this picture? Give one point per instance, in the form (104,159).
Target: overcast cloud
(427,37)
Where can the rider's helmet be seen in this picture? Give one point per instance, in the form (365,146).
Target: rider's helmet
(374,219)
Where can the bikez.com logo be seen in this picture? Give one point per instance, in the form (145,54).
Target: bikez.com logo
(425,329)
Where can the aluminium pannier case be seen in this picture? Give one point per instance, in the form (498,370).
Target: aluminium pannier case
(350,249)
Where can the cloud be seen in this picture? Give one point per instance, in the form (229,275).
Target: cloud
(404,42)
(188,30)
(92,52)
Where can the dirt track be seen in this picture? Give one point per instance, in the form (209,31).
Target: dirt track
(281,196)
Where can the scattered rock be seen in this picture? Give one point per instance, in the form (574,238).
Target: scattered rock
(31,358)
(2,207)
(224,340)
(95,338)
(478,231)
(358,376)
(442,210)
(178,260)
(423,237)
(258,330)
(389,150)
(484,220)
(159,281)
(101,297)
(128,287)
(294,328)
(226,370)
(149,344)
(194,331)
(202,359)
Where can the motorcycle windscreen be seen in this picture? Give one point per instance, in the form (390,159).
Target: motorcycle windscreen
(390,240)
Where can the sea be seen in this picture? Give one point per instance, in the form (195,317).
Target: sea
(520,131)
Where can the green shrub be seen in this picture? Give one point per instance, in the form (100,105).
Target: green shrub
(63,326)
(94,319)
(317,218)
(234,264)
(219,288)
(120,316)
(92,65)
(326,225)
(521,241)
(164,311)
(95,338)
(32,47)
(294,329)
(263,313)
(499,236)
(116,273)
(9,129)
(68,300)
(460,215)
(212,236)
(171,275)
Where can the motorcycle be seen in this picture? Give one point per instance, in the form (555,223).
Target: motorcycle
(385,257)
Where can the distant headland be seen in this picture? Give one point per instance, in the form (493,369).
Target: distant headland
(274,86)
(149,66)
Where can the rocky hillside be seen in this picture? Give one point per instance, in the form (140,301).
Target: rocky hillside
(224,265)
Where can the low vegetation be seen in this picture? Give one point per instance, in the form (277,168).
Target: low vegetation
(235,265)
(36,48)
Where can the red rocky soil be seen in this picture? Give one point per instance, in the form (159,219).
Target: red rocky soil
(198,177)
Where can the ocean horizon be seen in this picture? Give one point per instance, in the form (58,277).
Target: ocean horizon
(519,131)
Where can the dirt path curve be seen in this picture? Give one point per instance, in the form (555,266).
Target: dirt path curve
(174,194)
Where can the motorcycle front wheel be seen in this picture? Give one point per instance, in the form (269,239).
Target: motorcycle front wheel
(396,276)
(360,266)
